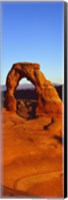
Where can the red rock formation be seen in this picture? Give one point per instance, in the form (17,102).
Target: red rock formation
(48,99)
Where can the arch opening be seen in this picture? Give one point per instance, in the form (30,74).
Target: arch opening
(26,99)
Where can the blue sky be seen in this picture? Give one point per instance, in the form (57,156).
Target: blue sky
(34,32)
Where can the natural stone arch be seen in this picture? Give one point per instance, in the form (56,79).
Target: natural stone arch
(48,100)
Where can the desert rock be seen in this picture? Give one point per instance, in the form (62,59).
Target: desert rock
(48,100)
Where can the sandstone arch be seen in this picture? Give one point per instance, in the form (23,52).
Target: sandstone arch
(48,99)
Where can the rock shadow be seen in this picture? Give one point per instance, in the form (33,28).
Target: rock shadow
(59,139)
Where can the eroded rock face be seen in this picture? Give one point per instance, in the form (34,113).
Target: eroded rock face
(48,100)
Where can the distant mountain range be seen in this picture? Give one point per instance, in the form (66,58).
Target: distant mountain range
(26,86)
(30,91)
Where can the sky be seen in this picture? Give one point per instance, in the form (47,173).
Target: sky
(33,32)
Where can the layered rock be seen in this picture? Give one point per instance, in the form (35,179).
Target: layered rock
(48,100)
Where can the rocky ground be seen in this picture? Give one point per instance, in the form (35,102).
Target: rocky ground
(32,155)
